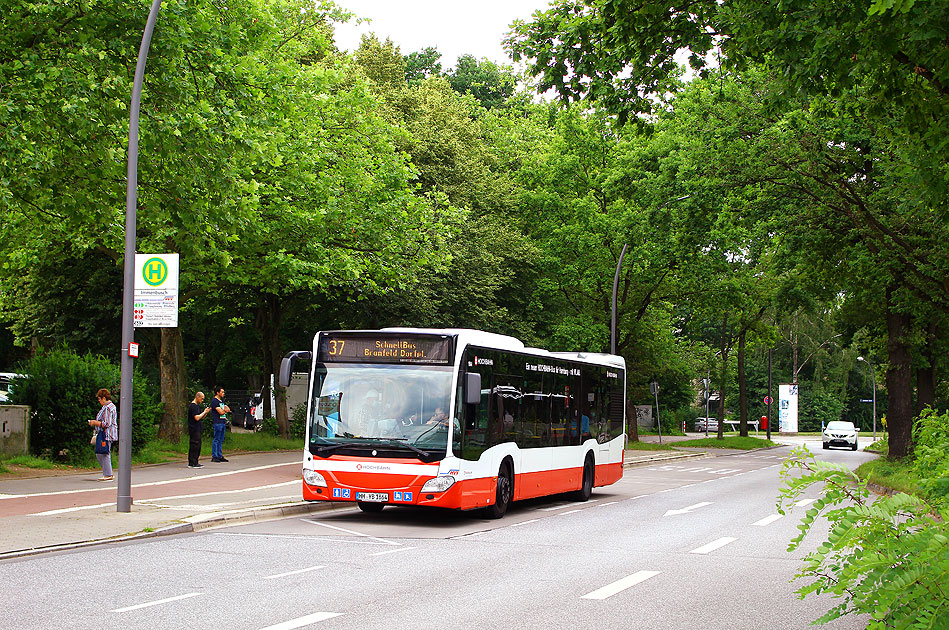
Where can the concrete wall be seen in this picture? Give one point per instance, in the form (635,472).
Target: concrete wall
(14,429)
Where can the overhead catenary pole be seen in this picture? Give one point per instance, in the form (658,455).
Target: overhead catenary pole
(124,490)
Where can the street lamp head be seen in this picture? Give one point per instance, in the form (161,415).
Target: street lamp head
(860,359)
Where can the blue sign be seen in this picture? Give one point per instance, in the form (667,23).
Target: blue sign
(340,493)
(867,400)
(396,496)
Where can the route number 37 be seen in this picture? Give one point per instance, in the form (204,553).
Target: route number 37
(336,347)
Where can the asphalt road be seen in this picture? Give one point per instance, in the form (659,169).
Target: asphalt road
(696,544)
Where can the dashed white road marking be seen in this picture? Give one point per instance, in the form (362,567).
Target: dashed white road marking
(715,544)
(383,553)
(569,512)
(303,621)
(804,502)
(297,572)
(533,520)
(156,602)
(688,509)
(768,520)
(620,585)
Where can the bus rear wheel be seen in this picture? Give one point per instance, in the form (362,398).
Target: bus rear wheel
(502,494)
(586,488)
(370,508)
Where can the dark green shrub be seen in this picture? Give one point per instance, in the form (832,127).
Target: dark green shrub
(298,422)
(60,387)
(817,409)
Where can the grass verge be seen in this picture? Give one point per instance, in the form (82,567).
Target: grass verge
(895,474)
(647,446)
(729,441)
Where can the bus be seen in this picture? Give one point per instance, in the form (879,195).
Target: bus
(456,418)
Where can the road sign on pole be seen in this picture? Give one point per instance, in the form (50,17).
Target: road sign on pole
(156,291)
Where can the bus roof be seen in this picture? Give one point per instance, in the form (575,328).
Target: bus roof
(467,336)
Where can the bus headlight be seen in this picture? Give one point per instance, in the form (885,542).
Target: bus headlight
(438,484)
(313,478)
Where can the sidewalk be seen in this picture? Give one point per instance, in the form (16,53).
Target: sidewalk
(70,510)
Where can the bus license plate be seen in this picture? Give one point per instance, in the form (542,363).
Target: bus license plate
(377,497)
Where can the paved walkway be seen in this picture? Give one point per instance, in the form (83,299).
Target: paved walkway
(62,511)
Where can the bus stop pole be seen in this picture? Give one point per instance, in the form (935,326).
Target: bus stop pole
(124,489)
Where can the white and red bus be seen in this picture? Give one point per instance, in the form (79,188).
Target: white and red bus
(458,419)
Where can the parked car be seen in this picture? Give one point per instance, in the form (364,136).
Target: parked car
(840,433)
(701,422)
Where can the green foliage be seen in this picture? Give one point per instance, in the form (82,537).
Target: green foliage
(298,422)
(488,82)
(60,387)
(888,558)
(817,409)
(930,461)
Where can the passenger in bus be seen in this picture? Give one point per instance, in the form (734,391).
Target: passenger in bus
(585,424)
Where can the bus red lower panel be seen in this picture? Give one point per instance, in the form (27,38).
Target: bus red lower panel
(608,473)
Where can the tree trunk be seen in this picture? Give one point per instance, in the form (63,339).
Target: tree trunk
(632,422)
(171,368)
(270,332)
(742,389)
(926,376)
(899,384)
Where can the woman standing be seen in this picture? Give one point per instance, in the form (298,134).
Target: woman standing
(106,421)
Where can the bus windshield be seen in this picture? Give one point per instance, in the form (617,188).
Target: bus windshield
(400,406)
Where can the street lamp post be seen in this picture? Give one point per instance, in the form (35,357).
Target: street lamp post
(655,392)
(874,379)
(708,394)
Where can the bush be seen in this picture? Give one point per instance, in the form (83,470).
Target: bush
(297,424)
(60,387)
(817,409)
(931,435)
(887,559)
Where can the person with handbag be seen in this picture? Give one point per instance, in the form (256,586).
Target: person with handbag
(107,432)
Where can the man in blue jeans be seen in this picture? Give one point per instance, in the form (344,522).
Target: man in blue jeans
(218,424)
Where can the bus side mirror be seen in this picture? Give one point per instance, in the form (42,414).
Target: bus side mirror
(286,365)
(472,388)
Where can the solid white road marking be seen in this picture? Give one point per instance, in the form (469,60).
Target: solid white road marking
(303,621)
(349,531)
(715,544)
(382,553)
(280,575)
(768,520)
(686,510)
(153,483)
(620,585)
(156,603)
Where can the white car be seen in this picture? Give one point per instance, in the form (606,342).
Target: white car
(701,422)
(840,434)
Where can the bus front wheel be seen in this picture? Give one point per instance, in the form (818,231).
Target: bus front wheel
(502,494)
(370,508)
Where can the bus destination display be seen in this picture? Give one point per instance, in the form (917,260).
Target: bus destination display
(335,347)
